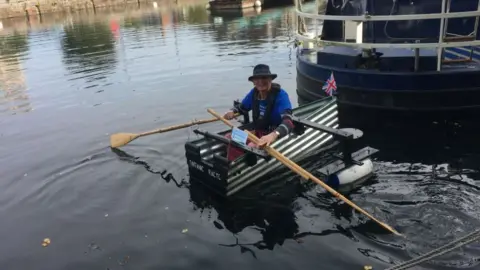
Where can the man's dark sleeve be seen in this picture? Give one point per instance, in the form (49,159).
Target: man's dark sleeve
(286,126)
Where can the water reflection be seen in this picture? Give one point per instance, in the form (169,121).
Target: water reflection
(270,213)
(13,44)
(113,47)
(144,18)
(245,33)
(269,208)
(88,50)
(194,15)
(230,30)
(14,97)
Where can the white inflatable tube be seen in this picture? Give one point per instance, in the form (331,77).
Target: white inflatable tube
(351,174)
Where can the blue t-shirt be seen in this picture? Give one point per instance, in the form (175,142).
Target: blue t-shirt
(282,103)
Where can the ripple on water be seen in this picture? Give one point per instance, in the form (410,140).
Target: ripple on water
(57,190)
(428,211)
(440,225)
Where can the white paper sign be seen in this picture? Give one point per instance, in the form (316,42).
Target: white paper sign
(239,136)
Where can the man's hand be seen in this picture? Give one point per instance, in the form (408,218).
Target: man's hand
(267,139)
(229,115)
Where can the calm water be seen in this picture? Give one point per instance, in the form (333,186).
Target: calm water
(68,82)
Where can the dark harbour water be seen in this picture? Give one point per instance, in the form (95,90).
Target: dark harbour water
(68,82)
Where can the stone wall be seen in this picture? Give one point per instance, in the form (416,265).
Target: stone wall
(17,8)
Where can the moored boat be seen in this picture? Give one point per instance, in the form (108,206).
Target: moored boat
(409,56)
(233,4)
(316,133)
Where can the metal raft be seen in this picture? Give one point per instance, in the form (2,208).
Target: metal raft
(316,131)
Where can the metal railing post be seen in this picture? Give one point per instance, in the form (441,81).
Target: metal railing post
(440,37)
(475,31)
(317,5)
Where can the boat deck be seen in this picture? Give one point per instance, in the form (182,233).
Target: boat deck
(455,58)
(460,53)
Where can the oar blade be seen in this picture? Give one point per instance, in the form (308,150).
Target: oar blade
(121,139)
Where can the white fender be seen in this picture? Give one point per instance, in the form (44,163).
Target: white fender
(351,174)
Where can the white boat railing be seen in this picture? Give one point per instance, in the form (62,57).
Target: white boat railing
(358,20)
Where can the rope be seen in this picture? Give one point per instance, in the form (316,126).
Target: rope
(472,237)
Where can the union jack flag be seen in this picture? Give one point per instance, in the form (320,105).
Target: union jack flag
(330,85)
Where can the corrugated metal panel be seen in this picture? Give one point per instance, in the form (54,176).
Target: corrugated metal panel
(294,147)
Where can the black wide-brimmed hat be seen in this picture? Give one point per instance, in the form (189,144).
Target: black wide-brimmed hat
(262,70)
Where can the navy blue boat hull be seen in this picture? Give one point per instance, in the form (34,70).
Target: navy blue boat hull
(398,91)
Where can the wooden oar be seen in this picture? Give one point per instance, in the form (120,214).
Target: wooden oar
(302,172)
(121,139)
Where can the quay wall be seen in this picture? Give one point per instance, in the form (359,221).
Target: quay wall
(29,8)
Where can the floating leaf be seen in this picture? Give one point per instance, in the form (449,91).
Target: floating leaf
(46,242)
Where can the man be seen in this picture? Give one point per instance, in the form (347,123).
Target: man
(271,106)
